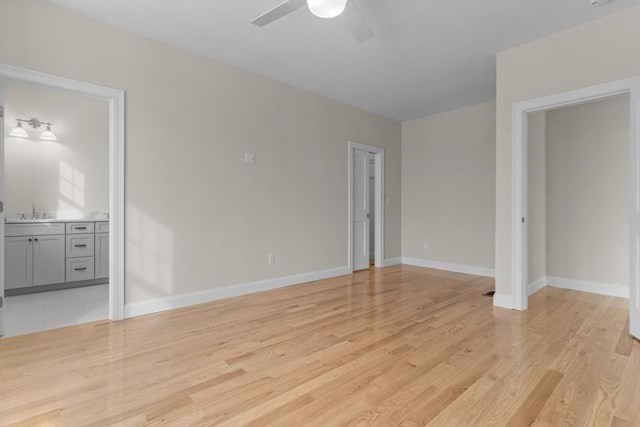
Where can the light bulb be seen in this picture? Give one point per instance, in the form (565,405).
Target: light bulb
(326,8)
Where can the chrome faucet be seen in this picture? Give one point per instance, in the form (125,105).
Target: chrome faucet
(33,211)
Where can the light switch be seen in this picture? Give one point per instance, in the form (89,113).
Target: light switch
(249,158)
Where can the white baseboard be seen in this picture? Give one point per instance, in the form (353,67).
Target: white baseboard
(536,285)
(502,300)
(458,268)
(392,261)
(611,289)
(615,290)
(192,298)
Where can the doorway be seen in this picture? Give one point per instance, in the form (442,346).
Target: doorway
(366,206)
(520,189)
(577,189)
(114,227)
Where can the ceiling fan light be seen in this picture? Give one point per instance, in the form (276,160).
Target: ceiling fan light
(326,8)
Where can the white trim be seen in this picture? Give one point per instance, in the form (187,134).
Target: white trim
(392,261)
(536,285)
(611,289)
(115,98)
(193,298)
(503,300)
(379,260)
(519,174)
(447,266)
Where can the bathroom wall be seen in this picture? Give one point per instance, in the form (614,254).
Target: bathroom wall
(71,175)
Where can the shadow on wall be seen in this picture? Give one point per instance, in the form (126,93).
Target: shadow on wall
(149,249)
(71,201)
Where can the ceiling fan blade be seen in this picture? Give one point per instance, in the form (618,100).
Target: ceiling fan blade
(278,12)
(356,24)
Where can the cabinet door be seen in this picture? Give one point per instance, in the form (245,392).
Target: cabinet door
(48,260)
(18,262)
(102,255)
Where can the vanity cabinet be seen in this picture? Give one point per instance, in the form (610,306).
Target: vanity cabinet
(34,260)
(55,253)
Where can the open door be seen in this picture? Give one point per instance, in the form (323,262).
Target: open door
(1,209)
(634,241)
(361,214)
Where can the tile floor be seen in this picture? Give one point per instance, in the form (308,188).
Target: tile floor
(54,309)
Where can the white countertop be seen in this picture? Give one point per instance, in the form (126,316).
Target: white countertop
(40,221)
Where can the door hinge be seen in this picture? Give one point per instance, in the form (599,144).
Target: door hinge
(523,220)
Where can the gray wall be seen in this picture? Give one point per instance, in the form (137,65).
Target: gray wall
(537,198)
(448,186)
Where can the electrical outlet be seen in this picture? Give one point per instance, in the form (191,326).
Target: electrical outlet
(426,245)
(249,158)
(272,258)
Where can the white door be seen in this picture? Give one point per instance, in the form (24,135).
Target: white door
(634,295)
(1,209)
(360,210)
(48,260)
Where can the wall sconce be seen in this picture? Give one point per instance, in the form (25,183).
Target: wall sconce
(21,132)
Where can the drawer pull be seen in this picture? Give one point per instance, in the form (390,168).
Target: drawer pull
(79,246)
(80,228)
(80,269)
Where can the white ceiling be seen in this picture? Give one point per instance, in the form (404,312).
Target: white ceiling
(426,56)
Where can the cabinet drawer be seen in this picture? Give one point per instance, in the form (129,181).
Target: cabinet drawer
(33,229)
(102,227)
(80,269)
(80,245)
(79,227)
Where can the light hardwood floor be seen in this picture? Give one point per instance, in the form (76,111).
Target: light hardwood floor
(396,346)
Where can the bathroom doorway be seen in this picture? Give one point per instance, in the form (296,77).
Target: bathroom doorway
(61,253)
(56,208)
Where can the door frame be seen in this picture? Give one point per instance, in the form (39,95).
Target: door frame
(115,99)
(520,111)
(378,202)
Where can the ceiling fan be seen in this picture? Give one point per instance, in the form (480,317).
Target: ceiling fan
(354,22)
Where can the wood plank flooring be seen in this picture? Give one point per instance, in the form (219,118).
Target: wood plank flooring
(403,345)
